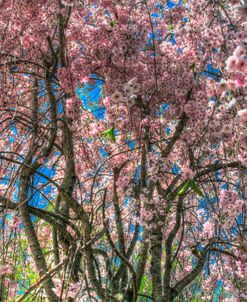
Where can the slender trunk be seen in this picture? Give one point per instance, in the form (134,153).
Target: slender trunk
(32,238)
(156,254)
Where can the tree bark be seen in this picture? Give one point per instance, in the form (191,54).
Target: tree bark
(32,237)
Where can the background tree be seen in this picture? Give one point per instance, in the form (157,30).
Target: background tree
(123,150)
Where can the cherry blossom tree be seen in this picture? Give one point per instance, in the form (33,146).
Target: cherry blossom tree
(123,150)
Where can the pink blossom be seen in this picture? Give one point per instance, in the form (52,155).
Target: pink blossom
(70,103)
(239,51)
(146,121)
(243,10)
(117,97)
(241,64)
(6,270)
(231,85)
(16,222)
(188,173)
(146,215)
(242,114)
(94,129)
(84,79)
(106,101)
(222,86)
(231,63)
(240,81)
(208,229)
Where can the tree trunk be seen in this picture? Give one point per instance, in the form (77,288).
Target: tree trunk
(156,254)
(37,253)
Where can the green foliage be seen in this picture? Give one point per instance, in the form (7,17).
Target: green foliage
(113,23)
(170,27)
(190,183)
(196,299)
(185,188)
(109,134)
(196,189)
(24,274)
(146,286)
(192,66)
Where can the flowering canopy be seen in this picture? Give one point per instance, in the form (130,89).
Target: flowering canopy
(137,193)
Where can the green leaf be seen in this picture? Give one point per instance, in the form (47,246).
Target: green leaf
(143,283)
(170,27)
(145,286)
(109,134)
(196,189)
(192,66)
(119,297)
(185,188)
(113,23)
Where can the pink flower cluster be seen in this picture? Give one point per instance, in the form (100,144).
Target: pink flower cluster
(71,292)
(73,107)
(128,94)
(237,65)
(230,207)
(237,62)
(243,158)
(65,79)
(5,270)
(208,229)
(188,173)
(242,115)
